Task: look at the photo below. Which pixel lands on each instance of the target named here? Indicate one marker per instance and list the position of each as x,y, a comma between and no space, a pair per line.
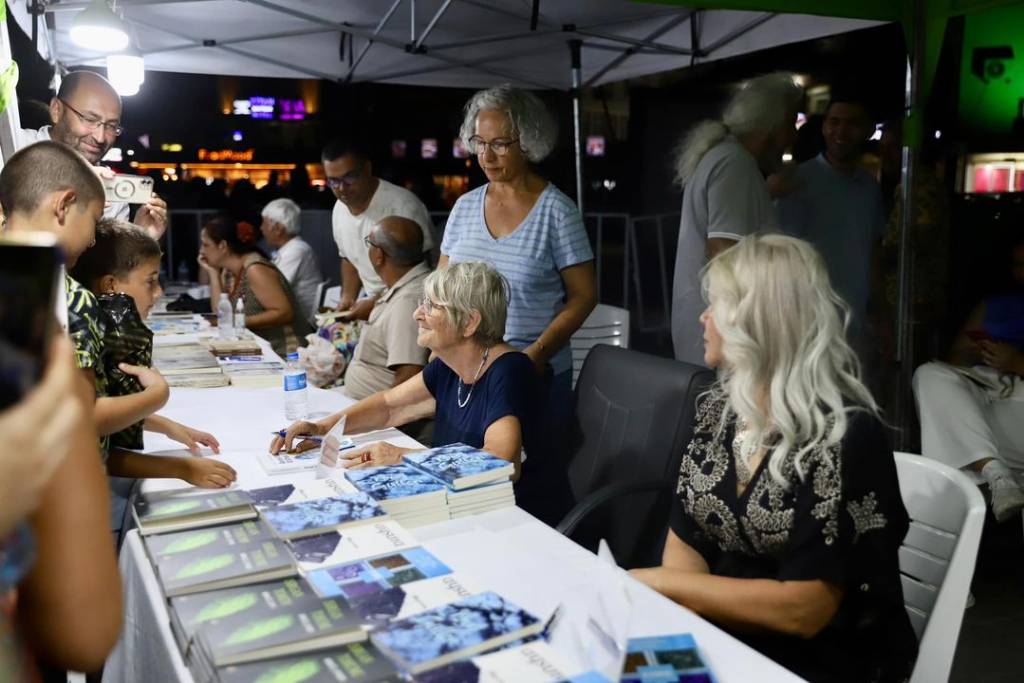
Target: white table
507,550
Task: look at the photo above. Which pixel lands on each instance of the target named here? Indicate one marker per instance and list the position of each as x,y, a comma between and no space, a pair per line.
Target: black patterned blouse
842,522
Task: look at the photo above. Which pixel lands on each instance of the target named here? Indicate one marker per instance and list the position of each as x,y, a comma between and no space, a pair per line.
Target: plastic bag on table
323,363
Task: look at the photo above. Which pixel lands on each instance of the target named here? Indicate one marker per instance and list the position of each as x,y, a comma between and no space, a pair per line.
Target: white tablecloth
508,551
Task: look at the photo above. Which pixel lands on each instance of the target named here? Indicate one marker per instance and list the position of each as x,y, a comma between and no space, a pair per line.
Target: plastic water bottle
296,397
224,326
239,317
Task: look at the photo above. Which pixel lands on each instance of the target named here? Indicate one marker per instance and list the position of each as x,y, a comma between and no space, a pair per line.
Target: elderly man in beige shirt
387,353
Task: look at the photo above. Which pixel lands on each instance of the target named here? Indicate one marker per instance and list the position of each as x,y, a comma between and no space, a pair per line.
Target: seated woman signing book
789,516
480,391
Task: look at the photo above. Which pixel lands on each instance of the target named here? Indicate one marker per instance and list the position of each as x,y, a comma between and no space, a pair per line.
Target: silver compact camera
133,189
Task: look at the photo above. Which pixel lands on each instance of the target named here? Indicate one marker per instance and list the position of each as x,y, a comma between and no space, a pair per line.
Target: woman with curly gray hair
530,232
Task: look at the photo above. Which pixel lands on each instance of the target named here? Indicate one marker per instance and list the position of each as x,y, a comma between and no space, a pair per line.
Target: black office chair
634,417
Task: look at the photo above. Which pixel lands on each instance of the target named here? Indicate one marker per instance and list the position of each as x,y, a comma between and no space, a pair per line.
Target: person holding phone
85,115
972,407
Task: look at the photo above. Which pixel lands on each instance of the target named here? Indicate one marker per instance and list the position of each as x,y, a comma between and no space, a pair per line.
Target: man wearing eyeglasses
363,202
387,353
86,116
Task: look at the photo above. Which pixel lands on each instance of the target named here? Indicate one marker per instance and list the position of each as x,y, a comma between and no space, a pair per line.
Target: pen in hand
309,437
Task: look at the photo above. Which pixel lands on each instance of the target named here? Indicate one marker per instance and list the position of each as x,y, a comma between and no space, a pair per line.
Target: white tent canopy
454,43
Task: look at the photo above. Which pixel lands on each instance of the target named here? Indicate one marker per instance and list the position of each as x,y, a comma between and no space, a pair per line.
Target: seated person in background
789,516
479,390
126,260
294,257
53,505
972,409
387,353
271,310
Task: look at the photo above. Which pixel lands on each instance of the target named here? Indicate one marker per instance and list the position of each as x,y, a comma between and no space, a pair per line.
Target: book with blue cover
278,625
188,612
355,663
461,629
664,659
350,545
357,580
286,494
532,662
317,516
248,533
167,511
460,466
399,488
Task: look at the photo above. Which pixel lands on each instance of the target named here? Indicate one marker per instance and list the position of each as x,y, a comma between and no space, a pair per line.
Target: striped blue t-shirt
550,239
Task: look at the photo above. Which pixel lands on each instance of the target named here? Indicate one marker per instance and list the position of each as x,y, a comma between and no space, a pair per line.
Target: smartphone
133,189
30,279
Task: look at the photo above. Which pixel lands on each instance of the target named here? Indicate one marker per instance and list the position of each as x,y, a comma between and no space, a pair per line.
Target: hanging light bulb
126,71
98,28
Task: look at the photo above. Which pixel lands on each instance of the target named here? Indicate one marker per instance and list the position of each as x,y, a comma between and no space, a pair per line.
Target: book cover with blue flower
461,466
319,515
664,659
395,482
461,629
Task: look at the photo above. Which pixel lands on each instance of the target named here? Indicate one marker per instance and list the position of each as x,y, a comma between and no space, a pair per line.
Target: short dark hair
242,236
342,146
120,248
848,96
42,169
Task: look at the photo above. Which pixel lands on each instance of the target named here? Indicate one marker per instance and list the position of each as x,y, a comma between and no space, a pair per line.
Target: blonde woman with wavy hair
789,516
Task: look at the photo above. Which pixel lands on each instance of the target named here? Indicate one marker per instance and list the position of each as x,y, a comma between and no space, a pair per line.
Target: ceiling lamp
126,71
98,28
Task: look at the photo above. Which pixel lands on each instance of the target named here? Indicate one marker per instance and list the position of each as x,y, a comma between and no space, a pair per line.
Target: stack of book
166,511
355,663
393,586
246,346
321,515
188,365
167,323
476,481
218,557
280,623
253,374
410,496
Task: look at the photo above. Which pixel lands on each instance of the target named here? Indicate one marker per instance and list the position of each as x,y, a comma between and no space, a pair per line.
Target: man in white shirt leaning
86,116
294,257
363,201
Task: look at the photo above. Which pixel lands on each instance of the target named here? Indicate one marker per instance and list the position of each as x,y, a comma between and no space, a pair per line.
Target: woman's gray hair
759,105
286,212
461,288
529,119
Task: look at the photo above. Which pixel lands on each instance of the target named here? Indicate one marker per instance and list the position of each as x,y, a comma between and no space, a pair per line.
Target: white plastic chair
947,513
605,325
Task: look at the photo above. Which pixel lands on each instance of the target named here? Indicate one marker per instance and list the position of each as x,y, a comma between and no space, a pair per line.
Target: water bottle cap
292,356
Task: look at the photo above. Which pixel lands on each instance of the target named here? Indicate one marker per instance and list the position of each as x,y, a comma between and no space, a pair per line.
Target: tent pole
575,48
912,133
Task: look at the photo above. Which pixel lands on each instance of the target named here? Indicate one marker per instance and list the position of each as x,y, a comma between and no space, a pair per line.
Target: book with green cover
355,663
212,567
165,511
247,533
279,626
188,612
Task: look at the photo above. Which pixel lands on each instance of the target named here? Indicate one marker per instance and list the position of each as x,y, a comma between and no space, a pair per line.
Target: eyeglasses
499,147
92,122
370,243
429,307
347,180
